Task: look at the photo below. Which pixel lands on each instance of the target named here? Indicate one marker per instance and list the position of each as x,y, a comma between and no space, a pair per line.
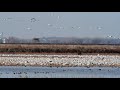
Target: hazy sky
60,24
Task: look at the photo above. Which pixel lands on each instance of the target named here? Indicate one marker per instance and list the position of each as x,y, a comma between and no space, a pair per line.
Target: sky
60,24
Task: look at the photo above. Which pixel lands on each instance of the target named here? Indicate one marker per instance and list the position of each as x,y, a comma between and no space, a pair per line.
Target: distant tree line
17,40
63,40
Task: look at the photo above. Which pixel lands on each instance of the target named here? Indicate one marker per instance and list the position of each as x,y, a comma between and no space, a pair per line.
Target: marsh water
58,72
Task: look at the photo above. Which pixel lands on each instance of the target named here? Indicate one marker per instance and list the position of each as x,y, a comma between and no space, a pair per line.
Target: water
58,72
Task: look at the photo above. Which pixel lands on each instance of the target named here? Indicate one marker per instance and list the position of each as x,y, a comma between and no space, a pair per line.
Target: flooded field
59,66
58,72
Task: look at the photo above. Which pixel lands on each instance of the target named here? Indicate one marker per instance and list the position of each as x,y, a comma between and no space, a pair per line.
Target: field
59,55
59,49
59,60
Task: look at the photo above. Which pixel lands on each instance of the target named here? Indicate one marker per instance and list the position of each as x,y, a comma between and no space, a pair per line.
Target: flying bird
29,28
109,36
58,17
50,25
52,14
33,19
99,28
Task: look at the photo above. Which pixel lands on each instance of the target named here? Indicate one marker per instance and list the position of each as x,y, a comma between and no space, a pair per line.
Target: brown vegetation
38,48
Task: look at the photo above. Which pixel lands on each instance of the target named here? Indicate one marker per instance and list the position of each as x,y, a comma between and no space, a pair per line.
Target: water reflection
58,72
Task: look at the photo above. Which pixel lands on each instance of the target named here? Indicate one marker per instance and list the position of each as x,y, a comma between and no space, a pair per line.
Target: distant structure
1,35
2,39
36,40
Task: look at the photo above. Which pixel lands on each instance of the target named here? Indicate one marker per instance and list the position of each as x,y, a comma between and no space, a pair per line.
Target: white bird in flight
29,28
50,25
99,28
52,14
58,17
109,36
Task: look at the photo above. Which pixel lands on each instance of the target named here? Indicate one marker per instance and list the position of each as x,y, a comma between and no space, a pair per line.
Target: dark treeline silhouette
63,40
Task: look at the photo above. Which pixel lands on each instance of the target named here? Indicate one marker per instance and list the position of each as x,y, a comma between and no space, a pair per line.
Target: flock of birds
50,25
32,20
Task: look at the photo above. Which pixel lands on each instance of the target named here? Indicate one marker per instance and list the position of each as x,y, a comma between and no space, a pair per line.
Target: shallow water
58,72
